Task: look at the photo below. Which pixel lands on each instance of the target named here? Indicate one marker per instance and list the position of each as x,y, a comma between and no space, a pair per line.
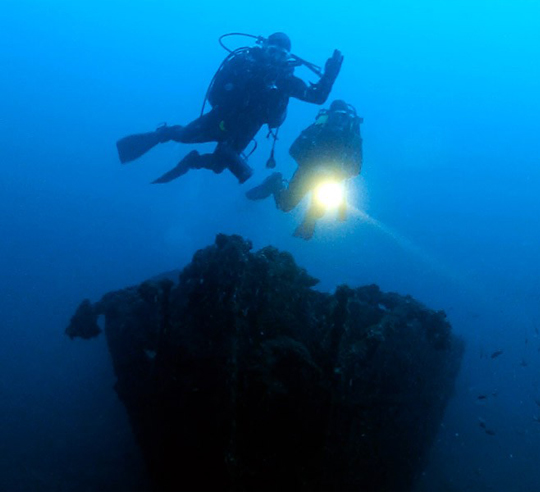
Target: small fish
490,432
496,354
537,401
524,363
482,423
482,397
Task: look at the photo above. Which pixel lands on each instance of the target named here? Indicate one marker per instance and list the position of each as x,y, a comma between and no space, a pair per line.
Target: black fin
187,163
134,146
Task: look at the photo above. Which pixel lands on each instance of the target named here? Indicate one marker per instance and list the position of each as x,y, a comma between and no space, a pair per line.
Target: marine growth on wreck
238,375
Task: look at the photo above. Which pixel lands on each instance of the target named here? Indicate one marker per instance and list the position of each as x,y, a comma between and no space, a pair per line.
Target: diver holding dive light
328,152
251,88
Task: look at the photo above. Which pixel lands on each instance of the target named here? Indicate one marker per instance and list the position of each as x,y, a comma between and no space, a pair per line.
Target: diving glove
333,65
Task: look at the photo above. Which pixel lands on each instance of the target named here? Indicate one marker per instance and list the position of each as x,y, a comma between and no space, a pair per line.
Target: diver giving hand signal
333,65
251,88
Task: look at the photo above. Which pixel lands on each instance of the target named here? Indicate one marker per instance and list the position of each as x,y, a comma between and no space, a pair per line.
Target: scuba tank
227,87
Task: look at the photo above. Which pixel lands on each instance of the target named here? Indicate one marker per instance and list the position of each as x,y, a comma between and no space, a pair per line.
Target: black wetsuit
252,92
322,149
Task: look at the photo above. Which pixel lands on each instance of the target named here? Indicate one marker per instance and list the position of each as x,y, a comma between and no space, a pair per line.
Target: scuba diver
328,152
251,88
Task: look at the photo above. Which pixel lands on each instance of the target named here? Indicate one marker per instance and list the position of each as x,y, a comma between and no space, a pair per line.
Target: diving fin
306,229
187,163
270,186
134,146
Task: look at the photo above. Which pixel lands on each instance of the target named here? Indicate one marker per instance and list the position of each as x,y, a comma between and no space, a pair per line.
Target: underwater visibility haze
446,207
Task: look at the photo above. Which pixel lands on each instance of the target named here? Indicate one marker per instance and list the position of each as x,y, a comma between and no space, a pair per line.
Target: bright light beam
408,246
330,194
471,287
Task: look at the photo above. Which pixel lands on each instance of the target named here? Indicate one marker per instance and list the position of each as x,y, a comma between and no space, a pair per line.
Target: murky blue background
449,94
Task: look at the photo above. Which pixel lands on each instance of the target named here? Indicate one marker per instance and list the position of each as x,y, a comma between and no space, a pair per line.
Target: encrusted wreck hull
240,376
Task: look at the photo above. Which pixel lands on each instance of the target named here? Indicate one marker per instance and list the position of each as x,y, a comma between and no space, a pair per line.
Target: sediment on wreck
238,375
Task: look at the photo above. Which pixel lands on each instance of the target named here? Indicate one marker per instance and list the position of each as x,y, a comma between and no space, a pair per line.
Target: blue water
448,199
